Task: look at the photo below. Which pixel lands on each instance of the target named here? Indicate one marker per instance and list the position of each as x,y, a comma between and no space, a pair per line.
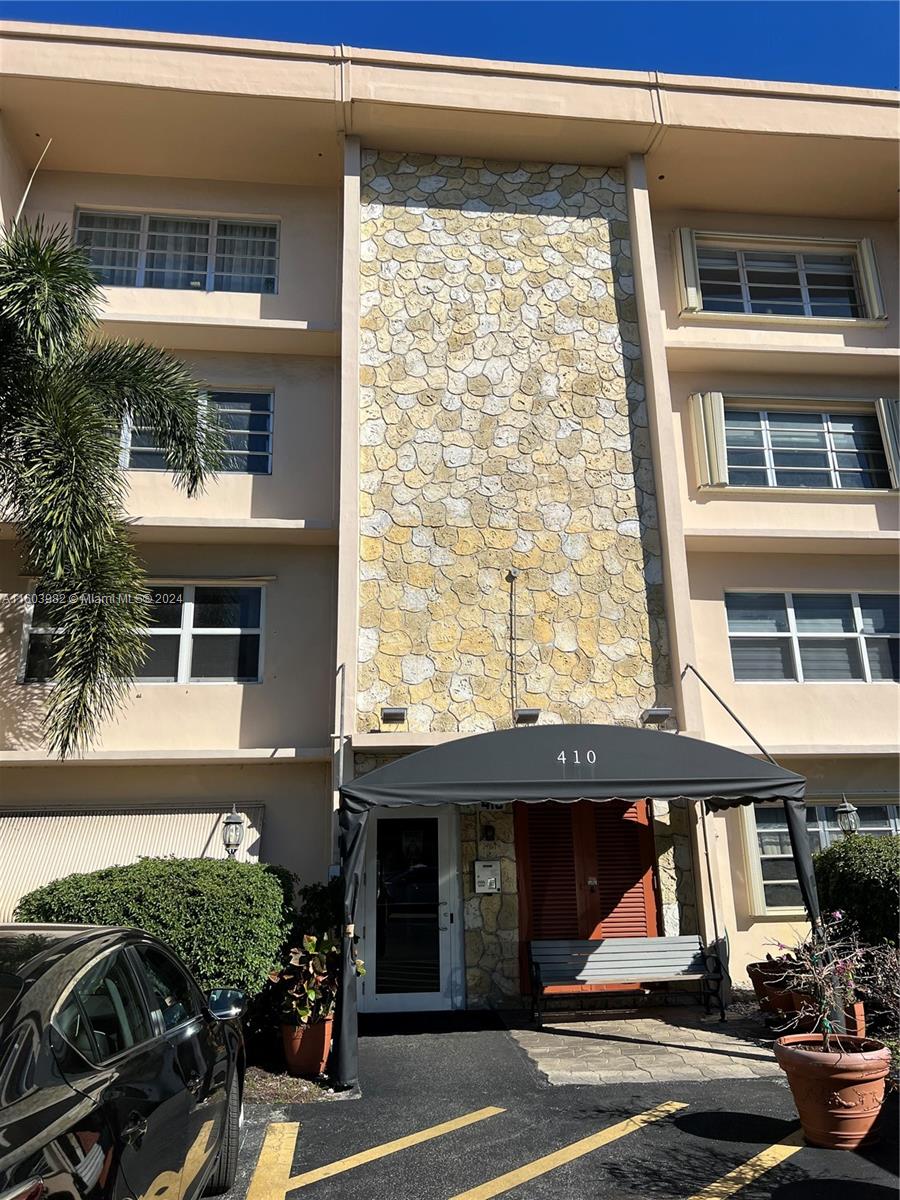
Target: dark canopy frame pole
565,764
796,816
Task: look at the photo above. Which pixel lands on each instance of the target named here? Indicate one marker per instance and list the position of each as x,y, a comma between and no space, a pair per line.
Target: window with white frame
810,637
200,253
40,646
755,275
777,884
802,449
197,633
246,421
839,445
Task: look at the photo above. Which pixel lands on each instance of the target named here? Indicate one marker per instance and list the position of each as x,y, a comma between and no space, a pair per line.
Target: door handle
194,1083
592,884
135,1129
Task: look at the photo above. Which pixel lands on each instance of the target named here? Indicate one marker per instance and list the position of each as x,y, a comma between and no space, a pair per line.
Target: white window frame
128,425
753,856
690,293
185,632
707,427
794,637
833,469
212,223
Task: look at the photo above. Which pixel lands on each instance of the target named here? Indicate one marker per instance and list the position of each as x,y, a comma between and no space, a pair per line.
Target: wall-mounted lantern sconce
847,817
232,832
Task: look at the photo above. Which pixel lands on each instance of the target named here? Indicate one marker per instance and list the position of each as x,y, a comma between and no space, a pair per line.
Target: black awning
561,763
573,762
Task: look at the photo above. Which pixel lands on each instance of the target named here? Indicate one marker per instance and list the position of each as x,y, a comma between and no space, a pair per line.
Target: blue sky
835,42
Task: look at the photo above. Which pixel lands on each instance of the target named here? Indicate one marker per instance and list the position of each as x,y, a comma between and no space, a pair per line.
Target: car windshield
17,949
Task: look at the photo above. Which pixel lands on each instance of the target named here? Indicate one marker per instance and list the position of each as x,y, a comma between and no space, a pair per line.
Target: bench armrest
537,982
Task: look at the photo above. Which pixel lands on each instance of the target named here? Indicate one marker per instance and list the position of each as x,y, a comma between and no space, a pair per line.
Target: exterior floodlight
847,817
526,716
655,716
232,832
393,716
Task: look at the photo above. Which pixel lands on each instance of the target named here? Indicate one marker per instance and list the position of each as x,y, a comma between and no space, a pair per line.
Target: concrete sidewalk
674,1044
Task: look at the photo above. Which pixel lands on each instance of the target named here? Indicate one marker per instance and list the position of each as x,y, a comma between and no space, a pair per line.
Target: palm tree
65,391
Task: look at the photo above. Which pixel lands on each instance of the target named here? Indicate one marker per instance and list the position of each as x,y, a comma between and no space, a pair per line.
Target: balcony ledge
222,530
234,530
160,758
793,541
696,354
225,333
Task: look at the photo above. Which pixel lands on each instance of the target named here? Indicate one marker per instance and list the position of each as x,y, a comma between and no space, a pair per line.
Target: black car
119,1080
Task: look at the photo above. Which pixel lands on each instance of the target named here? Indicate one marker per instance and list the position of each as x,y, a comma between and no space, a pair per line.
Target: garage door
38,847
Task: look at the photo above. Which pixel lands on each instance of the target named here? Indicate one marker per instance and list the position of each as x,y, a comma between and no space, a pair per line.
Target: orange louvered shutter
625,905
552,876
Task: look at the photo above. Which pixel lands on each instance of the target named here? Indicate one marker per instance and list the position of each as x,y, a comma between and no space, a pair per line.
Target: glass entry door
411,922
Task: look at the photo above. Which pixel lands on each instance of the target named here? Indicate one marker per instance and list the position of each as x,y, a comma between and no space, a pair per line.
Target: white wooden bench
568,968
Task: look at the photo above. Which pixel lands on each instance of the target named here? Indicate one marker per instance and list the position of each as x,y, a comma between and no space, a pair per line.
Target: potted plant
837,1078
306,990
770,983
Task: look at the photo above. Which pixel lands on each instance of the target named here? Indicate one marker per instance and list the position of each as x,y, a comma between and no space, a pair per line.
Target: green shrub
227,920
320,909
858,876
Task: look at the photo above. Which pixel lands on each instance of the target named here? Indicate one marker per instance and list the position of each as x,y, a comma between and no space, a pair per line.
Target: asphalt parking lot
463,1115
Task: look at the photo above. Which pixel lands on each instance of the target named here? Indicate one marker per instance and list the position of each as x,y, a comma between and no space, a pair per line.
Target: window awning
561,763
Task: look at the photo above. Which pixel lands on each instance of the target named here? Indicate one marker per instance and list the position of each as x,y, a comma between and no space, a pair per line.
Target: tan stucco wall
825,715
296,829
291,707
713,328
502,424
752,934
13,176
746,510
303,480
307,282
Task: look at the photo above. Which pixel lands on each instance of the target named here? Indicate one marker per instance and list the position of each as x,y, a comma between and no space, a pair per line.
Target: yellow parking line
740,1177
540,1166
276,1157
272,1178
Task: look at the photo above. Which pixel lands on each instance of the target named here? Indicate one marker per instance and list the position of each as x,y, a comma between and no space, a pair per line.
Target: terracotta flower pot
855,1018
838,1094
768,979
306,1048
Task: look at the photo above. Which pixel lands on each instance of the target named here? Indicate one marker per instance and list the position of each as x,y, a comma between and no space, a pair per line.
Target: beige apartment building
631,336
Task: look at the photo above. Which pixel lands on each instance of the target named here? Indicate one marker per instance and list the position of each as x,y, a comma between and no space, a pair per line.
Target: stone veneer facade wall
503,423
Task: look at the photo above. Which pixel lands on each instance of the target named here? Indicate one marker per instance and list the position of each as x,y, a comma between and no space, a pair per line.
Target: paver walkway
655,1045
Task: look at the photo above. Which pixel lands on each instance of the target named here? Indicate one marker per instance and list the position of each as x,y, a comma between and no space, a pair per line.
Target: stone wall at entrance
503,424
491,922
675,867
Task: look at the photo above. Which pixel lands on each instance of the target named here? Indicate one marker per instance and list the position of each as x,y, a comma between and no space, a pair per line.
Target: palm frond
98,645
64,393
152,388
66,491
49,298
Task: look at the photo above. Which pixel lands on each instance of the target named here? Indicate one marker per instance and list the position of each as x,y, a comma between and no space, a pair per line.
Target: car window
171,988
110,1005
72,1023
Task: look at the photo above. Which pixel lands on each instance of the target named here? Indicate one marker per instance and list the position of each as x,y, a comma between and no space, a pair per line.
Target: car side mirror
226,1004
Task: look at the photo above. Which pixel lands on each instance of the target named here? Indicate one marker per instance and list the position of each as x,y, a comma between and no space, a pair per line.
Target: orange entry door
585,870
